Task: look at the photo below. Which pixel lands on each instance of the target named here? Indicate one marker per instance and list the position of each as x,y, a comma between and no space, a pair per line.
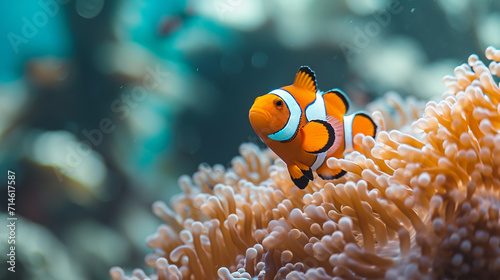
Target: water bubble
89,8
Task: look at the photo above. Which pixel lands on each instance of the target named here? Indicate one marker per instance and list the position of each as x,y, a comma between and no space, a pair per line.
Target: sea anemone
419,203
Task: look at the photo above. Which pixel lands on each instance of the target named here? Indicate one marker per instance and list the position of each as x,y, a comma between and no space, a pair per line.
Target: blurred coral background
104,104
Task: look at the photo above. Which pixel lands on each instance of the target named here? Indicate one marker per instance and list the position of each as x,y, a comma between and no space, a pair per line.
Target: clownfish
305,126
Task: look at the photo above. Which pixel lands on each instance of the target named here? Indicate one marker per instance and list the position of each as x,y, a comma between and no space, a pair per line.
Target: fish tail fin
363,123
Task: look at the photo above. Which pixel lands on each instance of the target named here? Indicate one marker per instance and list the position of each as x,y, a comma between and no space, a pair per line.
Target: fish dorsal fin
337,99
305,79
319,136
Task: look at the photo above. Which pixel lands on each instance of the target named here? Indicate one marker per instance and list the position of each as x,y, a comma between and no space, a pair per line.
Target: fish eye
278,103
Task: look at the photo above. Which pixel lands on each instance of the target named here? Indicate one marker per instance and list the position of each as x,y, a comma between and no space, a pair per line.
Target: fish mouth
259,118
260,111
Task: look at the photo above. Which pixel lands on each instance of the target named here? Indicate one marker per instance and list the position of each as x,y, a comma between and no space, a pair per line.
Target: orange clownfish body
305,127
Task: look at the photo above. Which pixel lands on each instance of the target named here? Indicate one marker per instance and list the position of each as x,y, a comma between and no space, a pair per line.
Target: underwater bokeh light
105,104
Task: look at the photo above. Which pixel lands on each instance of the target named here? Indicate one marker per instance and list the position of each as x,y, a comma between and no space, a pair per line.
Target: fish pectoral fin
319,136
337,99
298,177
362,123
